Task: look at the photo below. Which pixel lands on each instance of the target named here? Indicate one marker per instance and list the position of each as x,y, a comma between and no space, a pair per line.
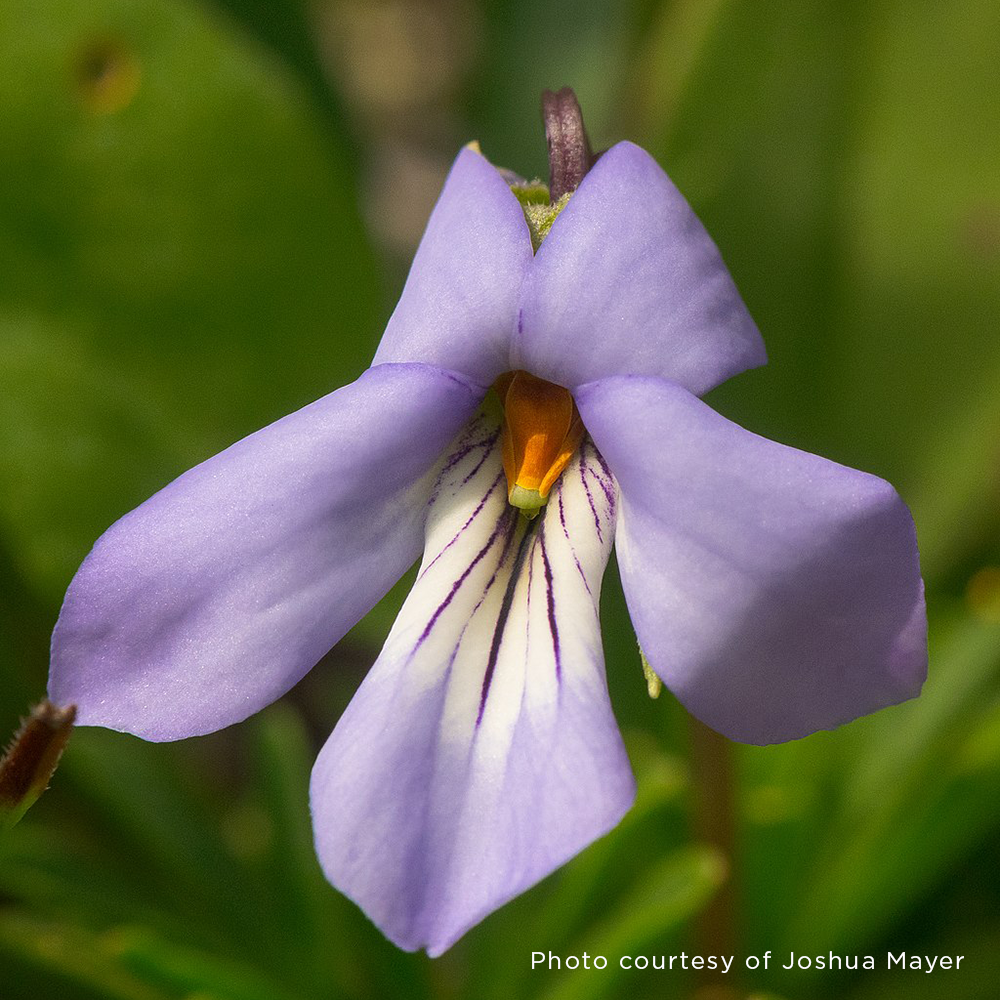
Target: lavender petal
216,595
775,592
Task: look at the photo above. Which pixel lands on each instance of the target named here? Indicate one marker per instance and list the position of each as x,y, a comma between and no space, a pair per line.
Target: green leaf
755,142
669,892
186,971
48,959
182,253
128,963
149,798
55,870
24,646
284,26
918,787
921,242
309,921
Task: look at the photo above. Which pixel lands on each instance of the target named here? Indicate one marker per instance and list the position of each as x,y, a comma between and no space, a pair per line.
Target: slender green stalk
713,821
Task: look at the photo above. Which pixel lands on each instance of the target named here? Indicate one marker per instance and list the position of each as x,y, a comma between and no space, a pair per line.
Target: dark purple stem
569,148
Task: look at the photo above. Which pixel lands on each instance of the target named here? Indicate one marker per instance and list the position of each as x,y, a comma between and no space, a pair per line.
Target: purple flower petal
459,306
775,592
216,595
629,282
481,751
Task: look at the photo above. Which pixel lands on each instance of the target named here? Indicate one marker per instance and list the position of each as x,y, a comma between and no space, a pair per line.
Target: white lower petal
481,752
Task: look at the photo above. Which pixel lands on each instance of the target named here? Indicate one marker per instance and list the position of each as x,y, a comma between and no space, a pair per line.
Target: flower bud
31,759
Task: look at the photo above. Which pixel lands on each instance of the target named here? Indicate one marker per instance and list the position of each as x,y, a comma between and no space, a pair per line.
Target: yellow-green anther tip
653,683
528,501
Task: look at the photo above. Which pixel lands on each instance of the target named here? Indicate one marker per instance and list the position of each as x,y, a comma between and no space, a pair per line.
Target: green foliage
182,259
177,270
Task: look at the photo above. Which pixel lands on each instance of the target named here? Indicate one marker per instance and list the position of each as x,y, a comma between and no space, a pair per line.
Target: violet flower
774,592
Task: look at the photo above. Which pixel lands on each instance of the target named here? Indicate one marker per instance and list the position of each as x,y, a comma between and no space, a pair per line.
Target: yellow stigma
541,431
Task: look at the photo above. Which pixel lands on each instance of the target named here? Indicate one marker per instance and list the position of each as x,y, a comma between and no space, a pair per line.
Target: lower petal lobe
481,751
216,595
775,592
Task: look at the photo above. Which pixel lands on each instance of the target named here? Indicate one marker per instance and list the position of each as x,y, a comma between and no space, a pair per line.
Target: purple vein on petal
600,459
507,546
569,541
455,458
506,521
504,553
584,468
463,448
527,599
551,602
489,444
472,517
508,599
605,482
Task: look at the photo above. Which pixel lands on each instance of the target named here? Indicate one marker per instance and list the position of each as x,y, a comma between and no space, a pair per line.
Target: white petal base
481,751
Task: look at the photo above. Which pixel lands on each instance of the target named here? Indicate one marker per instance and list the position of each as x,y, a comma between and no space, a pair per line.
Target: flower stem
714,823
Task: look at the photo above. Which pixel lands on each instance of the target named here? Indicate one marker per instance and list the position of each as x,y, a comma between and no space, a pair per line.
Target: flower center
541,431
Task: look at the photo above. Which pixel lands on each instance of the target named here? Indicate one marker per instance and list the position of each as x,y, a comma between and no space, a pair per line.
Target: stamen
653,683
541,432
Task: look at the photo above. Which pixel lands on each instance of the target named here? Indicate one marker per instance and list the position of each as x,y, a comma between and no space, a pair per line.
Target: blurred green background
206,213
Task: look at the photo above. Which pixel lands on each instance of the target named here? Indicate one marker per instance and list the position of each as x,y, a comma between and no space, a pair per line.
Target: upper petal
481,751
775,592
629,282
216,595
459,304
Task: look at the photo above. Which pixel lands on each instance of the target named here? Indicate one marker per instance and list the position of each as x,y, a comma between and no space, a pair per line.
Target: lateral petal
459,305
481,751
215,596
775,592
628,282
